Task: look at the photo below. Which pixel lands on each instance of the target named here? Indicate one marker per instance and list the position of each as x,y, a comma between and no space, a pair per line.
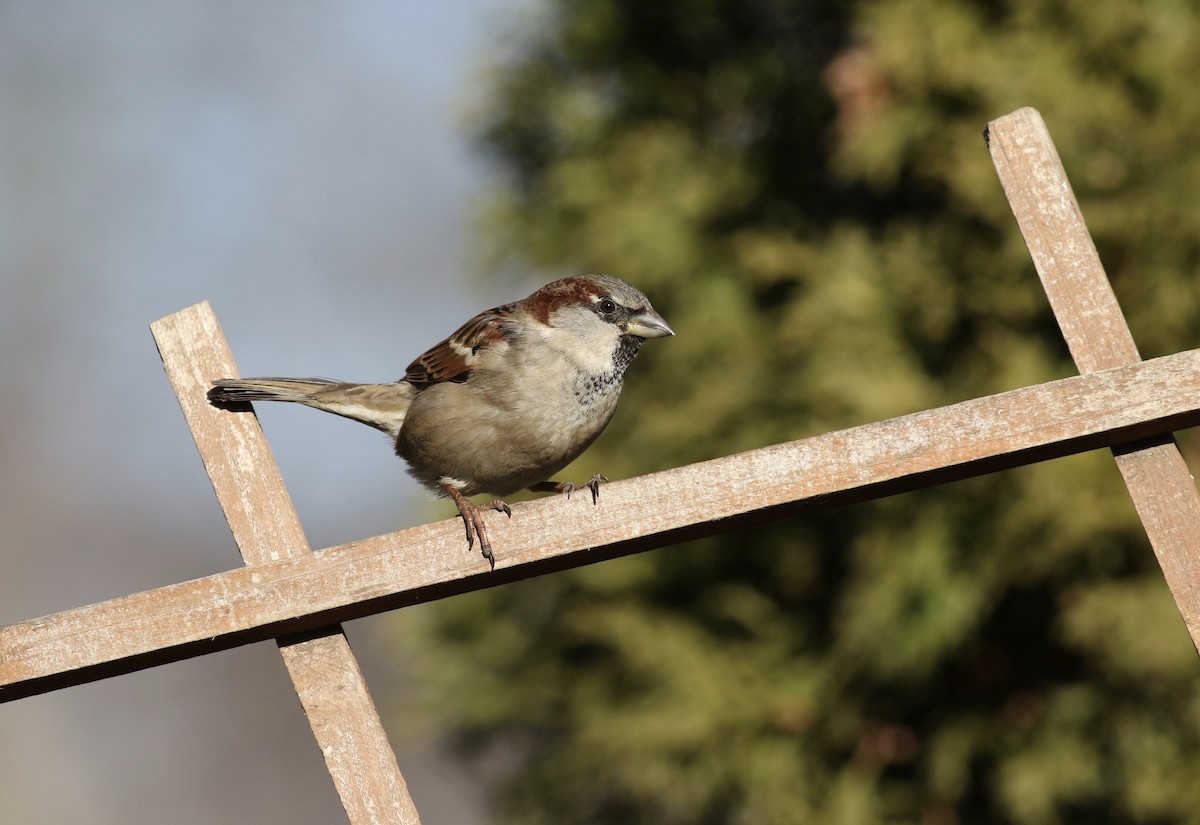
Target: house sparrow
512,397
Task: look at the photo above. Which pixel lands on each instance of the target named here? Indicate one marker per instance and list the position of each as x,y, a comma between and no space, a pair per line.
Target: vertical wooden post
251,492
1048,215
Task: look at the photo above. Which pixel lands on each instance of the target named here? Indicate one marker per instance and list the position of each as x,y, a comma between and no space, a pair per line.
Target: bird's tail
382,406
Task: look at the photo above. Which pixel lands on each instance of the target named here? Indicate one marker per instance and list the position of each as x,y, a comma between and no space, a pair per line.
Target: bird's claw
594,485
567,487
472,516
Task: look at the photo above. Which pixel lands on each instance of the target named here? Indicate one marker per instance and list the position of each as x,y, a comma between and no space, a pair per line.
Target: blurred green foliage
803,191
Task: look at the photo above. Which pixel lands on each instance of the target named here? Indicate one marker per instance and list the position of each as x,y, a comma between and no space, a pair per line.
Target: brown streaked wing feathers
451,360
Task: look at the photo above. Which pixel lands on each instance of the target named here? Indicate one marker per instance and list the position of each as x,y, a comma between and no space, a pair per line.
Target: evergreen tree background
802,189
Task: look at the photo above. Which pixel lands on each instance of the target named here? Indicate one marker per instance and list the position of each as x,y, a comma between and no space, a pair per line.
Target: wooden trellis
297,597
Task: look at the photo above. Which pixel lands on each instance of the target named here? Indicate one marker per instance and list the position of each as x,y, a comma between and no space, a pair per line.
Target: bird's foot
472,516
567,487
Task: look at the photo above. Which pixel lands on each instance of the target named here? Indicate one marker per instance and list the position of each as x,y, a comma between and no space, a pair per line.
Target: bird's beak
648,324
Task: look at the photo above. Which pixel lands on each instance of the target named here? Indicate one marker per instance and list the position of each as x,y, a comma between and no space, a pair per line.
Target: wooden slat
1065,257
294,593
252,494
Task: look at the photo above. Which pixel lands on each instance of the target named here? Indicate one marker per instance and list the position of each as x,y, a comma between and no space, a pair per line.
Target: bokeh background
802,189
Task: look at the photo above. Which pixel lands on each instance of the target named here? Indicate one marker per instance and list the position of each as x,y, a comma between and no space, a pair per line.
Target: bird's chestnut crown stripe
574,290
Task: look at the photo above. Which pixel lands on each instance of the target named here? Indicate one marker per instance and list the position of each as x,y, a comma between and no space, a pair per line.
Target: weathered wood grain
291,594
1159,482
265,527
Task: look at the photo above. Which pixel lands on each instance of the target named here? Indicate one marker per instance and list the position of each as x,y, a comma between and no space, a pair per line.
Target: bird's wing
454,358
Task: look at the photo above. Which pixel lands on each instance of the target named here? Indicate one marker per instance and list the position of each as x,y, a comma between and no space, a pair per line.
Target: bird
509,399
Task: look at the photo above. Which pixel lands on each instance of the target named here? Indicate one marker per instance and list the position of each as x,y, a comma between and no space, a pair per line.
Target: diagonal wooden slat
265,526
1091,321
290,594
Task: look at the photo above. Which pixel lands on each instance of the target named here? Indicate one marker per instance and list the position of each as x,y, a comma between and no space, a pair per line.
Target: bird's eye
607,306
